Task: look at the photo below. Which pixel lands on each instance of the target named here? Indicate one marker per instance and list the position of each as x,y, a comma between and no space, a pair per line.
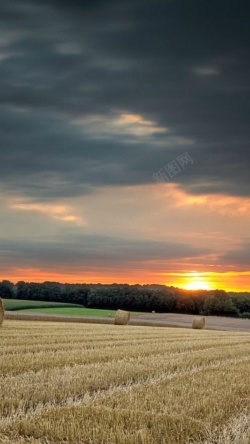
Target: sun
195,281
197,285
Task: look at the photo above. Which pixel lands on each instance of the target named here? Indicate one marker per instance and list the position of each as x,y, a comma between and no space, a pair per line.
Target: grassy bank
20,304
73,311
53,308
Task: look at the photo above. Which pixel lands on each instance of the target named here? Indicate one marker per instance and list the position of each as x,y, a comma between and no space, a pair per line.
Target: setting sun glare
197,285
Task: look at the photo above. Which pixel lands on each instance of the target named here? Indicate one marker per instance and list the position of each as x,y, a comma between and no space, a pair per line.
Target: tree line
143,298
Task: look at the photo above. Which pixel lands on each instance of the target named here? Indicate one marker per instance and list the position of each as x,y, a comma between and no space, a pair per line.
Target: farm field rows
105,384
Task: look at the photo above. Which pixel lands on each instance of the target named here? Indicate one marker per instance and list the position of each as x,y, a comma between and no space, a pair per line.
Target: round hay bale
198,323
122,317
1,312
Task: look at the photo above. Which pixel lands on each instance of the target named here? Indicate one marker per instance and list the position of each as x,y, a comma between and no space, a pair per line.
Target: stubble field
105,384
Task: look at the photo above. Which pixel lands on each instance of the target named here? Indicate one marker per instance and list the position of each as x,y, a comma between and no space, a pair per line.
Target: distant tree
7,289
137,297
229,308
212,306
22,290
241,301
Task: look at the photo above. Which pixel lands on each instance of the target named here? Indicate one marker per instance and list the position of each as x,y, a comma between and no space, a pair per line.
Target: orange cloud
58,212
221,203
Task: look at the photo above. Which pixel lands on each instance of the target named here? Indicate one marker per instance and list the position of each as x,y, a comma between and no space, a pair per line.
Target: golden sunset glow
228,281
195,281
197,285
208,280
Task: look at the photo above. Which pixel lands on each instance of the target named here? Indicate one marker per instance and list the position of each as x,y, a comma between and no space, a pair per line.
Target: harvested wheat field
109,384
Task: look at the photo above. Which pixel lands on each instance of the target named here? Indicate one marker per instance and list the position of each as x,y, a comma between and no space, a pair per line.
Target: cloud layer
97,96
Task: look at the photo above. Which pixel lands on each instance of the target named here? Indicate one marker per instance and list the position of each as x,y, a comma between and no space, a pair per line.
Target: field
21,304
73,311
105,384
53,308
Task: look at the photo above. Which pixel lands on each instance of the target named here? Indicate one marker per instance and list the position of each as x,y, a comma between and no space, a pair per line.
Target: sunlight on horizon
197,285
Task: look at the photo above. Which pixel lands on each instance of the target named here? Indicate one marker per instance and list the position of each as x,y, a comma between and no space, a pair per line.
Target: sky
124,142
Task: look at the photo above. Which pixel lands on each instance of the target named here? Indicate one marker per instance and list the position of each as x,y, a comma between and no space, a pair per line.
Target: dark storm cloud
238,257
183,65
93,250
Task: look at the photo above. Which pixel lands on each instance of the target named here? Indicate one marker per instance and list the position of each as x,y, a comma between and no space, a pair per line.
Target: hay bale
122,317
198,323
1,312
